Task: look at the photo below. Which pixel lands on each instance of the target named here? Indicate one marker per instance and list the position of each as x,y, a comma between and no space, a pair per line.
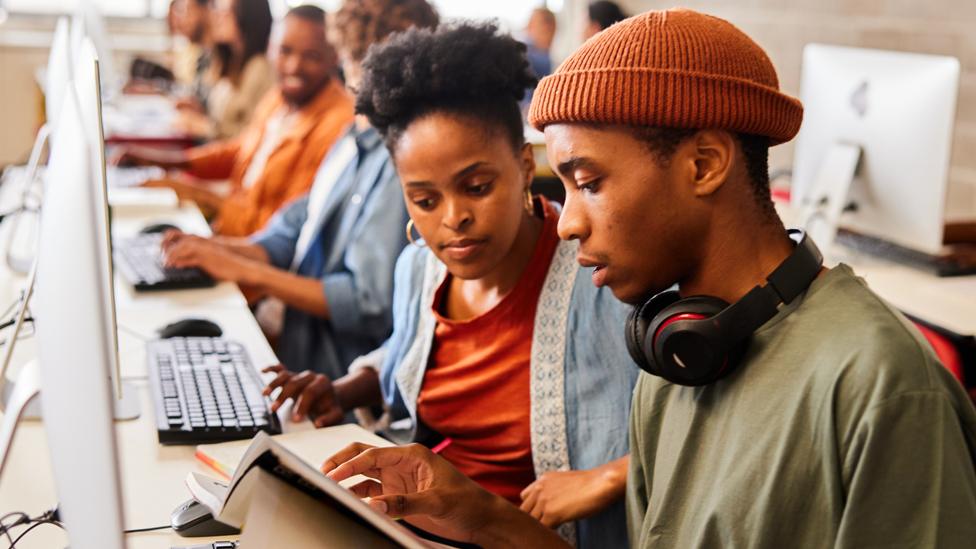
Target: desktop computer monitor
898,109
58,71
75,341
90,23
88,89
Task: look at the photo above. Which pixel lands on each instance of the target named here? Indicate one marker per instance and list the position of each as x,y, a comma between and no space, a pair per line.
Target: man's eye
590,186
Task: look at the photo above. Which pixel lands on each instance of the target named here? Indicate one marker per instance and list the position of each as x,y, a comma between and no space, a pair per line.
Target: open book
273,490
312,445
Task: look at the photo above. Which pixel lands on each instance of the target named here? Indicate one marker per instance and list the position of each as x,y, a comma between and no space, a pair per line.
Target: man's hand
413,481
563,496
312,392
134,155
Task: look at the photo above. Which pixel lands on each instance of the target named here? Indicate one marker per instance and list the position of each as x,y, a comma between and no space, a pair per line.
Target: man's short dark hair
308,12
663,142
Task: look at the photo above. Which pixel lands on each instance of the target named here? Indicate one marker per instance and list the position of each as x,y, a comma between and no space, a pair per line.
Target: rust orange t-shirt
476,387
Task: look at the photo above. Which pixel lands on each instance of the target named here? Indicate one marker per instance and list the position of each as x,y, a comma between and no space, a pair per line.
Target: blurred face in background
541,28
224,25
191,19
305,61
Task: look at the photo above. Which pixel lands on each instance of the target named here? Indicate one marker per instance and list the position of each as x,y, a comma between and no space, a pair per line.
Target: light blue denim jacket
353,251
581,375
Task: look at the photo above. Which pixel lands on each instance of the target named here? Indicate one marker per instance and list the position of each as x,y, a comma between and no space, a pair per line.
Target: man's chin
633,294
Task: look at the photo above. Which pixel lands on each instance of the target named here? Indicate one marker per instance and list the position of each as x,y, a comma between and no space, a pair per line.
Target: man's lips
599,275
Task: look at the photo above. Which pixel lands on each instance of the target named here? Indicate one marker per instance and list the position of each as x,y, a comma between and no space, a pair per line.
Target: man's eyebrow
567,167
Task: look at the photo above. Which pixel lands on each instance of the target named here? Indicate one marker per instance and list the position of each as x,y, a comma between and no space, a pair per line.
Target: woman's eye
478,189
424,203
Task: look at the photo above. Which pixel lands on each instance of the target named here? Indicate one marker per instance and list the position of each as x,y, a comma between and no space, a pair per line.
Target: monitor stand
828,198
21,398
126,407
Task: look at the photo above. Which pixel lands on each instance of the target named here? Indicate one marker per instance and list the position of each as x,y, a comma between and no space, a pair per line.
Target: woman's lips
461,250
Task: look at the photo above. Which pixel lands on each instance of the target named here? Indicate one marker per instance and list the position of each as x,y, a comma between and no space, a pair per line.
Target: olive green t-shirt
838,429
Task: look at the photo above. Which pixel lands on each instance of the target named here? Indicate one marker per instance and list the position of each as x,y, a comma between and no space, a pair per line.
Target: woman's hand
564,496
184,251
312,392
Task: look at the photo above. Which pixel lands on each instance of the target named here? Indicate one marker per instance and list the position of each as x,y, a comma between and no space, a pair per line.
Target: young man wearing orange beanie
789,406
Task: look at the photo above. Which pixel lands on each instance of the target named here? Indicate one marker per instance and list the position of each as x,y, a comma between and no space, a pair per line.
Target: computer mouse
192,519
158,228
191,327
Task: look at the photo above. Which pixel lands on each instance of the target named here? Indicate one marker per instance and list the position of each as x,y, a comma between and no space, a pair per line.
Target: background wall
783,27
24,45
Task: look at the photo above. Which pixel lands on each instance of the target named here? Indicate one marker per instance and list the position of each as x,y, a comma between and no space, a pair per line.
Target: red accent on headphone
676,318
686,316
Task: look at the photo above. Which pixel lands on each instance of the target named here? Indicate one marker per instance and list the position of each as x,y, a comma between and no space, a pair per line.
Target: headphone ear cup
682,354
637,328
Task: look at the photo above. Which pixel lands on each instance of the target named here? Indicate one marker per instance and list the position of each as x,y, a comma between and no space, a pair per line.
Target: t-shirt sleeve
908,473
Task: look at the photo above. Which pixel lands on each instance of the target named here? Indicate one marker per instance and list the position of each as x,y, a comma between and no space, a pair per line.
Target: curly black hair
466,69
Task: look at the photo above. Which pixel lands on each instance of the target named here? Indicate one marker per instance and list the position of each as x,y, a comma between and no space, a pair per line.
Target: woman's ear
527,161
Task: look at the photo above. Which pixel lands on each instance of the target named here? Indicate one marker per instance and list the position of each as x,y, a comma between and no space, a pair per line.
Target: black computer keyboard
939,266
140,260
205,389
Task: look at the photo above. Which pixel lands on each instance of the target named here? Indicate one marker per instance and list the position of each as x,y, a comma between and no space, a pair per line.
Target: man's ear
527,161
712,154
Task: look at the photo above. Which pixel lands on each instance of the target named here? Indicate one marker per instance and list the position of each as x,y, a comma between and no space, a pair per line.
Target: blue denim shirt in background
598,373
353,252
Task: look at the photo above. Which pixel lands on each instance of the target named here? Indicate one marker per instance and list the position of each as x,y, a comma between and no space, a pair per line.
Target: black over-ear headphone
700,339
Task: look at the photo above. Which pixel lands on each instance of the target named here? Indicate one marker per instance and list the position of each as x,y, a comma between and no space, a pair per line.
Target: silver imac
75,342
896,112
87,86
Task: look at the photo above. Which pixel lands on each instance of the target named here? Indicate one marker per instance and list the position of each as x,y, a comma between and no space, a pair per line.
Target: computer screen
58,71
73,319
87,86
899,109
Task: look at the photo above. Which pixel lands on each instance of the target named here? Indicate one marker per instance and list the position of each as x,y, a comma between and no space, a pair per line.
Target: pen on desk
441,445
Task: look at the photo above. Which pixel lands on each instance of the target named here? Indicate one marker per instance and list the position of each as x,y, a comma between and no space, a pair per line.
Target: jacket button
356,198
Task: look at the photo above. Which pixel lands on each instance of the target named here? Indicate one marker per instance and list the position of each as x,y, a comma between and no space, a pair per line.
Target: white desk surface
152,475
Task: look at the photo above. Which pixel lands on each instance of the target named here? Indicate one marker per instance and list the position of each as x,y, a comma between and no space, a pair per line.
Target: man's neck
737,256
295,106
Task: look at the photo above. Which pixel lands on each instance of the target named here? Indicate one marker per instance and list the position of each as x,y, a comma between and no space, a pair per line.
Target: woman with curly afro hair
503,355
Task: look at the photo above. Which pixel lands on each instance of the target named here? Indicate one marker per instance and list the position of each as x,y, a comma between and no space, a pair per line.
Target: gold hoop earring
410,234
529,204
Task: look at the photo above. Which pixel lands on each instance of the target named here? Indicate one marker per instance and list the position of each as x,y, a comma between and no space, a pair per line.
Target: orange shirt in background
476,387
289,170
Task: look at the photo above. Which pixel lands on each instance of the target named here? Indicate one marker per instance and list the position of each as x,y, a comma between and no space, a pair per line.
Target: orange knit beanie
670,69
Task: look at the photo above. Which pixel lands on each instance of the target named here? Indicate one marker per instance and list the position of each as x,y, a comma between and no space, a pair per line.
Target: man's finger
367,489
403,505
342,457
